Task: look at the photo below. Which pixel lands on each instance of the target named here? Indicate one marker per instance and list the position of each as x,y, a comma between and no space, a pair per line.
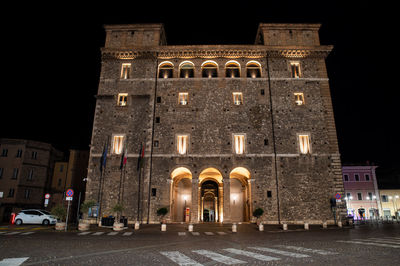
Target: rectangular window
61,168
346,177
11,193
370,196
237,98
34,155
27,193
1,172
385,198
118,141
125,71
366,177
359,196
304,142
269,194
4,153
15,173
182,144
295,67
122,99
19,153
30,174
356,177
153,192
183,98
348,195
238,141
299,98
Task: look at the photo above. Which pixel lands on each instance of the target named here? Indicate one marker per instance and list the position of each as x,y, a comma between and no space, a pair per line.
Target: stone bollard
82,226
137,225
324,225
261,227
234,228
118,226
306,226
190,228
284,227
163,227
339,224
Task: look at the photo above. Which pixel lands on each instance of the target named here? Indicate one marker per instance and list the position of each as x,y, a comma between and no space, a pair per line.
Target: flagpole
138,201
103,168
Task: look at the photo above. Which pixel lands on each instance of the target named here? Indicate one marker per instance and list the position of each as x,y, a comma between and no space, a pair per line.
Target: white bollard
339,224
163,227
234,228
306,226
261,227
325,225
284,227
137,225
190,228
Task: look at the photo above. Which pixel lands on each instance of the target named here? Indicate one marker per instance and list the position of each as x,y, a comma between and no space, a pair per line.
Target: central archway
240,192
211,195
181,193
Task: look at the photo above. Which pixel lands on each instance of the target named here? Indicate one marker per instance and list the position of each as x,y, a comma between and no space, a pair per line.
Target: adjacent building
213,132
26,168
390,200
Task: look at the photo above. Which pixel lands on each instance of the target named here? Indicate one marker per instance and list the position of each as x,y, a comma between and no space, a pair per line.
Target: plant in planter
118,208
85,206
258,213
61,213
162,212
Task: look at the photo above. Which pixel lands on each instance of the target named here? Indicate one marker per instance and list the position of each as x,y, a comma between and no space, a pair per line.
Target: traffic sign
338,196
70,192
69,198
47,196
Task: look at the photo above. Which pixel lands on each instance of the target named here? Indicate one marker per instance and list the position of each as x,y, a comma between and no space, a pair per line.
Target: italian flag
124,157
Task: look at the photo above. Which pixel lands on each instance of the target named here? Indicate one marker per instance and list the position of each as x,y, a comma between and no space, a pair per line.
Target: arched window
165,70
186,69
253,69
209,69
232,69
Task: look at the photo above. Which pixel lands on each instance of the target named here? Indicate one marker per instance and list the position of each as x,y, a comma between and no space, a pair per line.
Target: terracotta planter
118,226
83,226
60,226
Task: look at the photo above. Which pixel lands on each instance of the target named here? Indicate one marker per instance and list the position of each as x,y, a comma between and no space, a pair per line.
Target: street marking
316,251
27,233
218,257
195,233
209,233
396,238
251,254
127,233
221,233
179,258
13,261
181,233
3,232
112,233
368,244
281,252
84,233
380,240
12,233
98,233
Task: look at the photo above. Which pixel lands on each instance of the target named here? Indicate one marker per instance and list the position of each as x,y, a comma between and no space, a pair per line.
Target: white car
35,217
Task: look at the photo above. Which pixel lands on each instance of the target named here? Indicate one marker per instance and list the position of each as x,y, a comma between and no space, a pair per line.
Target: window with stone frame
295,68
126,71
232,69
122,99
209,69
299,98
239,143
165,70
183,98
237,98
304,143
186,69
359,195
182,142
117,144
253,69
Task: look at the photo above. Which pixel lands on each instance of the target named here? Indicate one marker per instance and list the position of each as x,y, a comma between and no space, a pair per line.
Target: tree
60,212
85,206
258,213
162,212
118,208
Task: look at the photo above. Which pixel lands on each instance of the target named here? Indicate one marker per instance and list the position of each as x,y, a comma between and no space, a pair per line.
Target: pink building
361,192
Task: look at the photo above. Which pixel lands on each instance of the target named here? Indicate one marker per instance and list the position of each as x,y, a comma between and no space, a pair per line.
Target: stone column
194,201
227,200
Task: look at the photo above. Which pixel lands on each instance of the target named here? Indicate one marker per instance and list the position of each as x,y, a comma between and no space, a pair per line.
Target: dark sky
53,63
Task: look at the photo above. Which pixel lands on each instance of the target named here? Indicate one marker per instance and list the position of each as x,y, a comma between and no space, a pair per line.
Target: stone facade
216,178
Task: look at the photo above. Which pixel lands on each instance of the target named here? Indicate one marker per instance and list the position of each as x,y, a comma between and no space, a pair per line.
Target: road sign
47,196
69,198
69,193
338,196
46,202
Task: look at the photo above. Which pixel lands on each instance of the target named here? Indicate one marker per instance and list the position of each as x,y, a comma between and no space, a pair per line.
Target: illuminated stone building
226,128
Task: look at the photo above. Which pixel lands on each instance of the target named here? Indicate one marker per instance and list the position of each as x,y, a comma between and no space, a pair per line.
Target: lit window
295,67
239,143
118,140
232,69
125,71
122,99
186,69
253,69
183,98
299,98
182,144
304,142
237,98
209,69
165,70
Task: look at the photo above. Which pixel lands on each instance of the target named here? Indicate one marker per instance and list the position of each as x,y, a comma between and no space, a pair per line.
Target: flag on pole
141,156
124,157
103,159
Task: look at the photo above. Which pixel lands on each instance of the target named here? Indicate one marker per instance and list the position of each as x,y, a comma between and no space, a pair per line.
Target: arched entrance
181,193
240,191
210,196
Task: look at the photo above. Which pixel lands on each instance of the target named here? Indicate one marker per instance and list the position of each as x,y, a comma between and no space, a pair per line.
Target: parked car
35,217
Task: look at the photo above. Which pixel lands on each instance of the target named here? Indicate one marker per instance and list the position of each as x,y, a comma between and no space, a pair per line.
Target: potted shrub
118,208
258,213
162,212
85,206
61,213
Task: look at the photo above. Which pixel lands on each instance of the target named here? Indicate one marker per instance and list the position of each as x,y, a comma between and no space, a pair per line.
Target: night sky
52,56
